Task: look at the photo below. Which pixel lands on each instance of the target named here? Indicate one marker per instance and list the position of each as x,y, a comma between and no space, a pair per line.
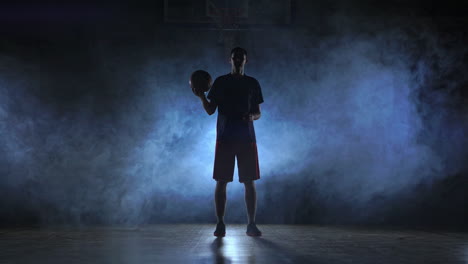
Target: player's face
238,59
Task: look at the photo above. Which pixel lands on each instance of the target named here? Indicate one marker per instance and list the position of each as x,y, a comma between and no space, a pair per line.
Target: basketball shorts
247,161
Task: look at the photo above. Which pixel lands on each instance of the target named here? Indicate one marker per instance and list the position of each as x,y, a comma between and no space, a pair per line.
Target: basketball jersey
235,97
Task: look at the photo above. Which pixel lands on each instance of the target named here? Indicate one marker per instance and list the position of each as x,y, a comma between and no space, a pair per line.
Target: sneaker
220,230
252,230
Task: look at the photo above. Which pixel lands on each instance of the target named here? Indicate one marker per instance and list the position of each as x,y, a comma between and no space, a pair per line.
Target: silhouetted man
238,98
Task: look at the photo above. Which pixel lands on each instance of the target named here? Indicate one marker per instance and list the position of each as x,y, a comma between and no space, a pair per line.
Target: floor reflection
217,249
235,250
232,250
195,244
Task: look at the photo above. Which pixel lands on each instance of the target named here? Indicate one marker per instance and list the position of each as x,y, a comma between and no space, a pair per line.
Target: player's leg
223,173
251,204
220,200
247,161
220,205
250,200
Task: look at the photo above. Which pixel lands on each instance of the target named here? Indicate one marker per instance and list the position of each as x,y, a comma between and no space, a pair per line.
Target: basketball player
238,98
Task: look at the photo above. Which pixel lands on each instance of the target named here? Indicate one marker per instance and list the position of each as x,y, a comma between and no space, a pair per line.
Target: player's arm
254,115
256,112
209,106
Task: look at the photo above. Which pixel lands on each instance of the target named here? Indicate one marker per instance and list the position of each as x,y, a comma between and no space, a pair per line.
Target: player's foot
220,230
252,230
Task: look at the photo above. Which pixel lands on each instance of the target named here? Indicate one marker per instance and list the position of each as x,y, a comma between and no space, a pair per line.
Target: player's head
238,57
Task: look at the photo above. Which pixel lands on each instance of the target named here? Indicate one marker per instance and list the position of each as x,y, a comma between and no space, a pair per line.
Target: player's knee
221,184
249,184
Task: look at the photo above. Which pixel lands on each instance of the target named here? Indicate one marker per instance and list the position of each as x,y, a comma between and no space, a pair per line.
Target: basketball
200,81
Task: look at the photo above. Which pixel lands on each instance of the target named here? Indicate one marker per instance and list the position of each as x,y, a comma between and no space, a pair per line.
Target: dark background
364,121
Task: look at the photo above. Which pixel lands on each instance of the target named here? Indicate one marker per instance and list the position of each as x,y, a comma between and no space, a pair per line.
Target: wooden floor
196,244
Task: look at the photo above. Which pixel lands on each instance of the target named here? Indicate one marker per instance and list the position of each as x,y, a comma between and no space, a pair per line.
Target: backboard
227,14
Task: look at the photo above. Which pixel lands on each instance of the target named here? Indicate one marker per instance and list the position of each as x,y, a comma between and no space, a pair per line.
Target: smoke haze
361,120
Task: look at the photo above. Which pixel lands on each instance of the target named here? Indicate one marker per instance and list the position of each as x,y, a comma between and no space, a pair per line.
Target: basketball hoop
226,18
227,15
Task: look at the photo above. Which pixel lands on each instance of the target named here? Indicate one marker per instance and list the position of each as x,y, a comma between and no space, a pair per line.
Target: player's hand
248,117
199,93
